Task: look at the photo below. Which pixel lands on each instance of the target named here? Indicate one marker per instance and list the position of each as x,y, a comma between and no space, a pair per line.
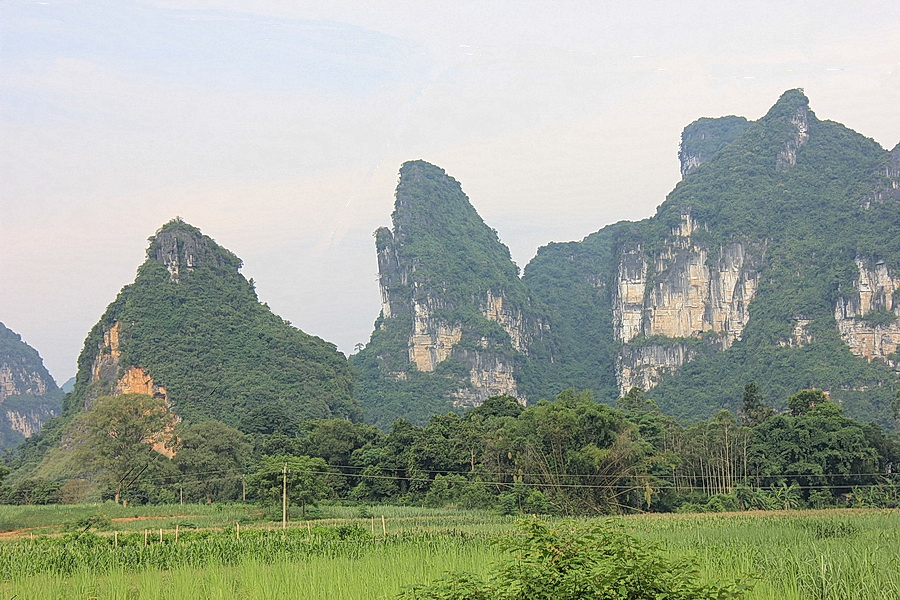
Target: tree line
568,456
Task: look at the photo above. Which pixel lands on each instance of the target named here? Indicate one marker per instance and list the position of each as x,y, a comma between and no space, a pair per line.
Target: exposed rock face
645,366
114,378
512,320
763,218
28,423
800,334
180,251
19,382
489,375
688,294
191,330
705,137
891,190
450,291
432,340
28,394
867,318
788,156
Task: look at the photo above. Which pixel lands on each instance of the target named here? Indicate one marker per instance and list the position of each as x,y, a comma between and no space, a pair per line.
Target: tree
634,401
803,401
753,411
496,406
305,480
211,456
583,455
122,435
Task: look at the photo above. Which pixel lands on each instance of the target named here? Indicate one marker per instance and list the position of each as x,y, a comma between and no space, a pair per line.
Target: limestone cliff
868,317
787,156
191,330
890,191
28,394
453,306
110,377
645,365
703,138
683,290
745,273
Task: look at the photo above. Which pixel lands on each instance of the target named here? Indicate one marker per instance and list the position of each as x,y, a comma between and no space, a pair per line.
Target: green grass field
835,554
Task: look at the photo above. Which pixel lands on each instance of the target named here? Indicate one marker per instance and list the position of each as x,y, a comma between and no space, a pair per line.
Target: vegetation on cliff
443,261
800,195
193,324
29,394
569,456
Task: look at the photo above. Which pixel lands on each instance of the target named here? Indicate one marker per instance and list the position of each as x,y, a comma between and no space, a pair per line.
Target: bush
578,562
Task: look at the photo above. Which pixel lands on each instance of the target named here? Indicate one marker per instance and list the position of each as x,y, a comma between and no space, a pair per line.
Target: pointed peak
8,334
791,117
178,225
419,165
796,95
181,247
427,194
789,104
705,137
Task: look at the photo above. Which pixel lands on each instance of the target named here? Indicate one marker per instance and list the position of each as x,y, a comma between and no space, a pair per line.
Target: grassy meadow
110,552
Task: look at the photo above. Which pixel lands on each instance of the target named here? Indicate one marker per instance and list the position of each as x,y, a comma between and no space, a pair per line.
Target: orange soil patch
126,519
22,532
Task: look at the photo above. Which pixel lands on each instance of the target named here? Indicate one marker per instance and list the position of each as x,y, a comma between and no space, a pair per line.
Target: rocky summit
776,260
190,329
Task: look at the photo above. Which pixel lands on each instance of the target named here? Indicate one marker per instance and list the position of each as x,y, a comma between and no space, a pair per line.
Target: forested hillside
28,394
456,318
191,331
774,260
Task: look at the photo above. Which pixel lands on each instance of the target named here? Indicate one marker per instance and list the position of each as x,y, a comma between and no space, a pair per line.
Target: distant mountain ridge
760,265
776,259
28,394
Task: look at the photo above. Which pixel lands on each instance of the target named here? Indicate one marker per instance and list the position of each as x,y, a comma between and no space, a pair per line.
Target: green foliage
816,448
116,437
753,411
458,258
705,137
879,318
571,280
22,358
25,368
441,256
740,195
573,561
804,401
205,337
305,477
210,457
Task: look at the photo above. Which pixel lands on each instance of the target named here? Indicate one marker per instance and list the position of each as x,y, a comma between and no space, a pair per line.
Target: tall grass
54,518
824,555
378,571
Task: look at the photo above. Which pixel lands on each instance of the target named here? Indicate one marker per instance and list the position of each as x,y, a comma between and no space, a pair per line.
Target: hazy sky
278,127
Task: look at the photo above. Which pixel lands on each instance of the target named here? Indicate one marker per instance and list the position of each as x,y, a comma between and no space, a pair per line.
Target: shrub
578,562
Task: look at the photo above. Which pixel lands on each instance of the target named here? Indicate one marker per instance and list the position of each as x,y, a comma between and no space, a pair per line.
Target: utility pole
284,497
